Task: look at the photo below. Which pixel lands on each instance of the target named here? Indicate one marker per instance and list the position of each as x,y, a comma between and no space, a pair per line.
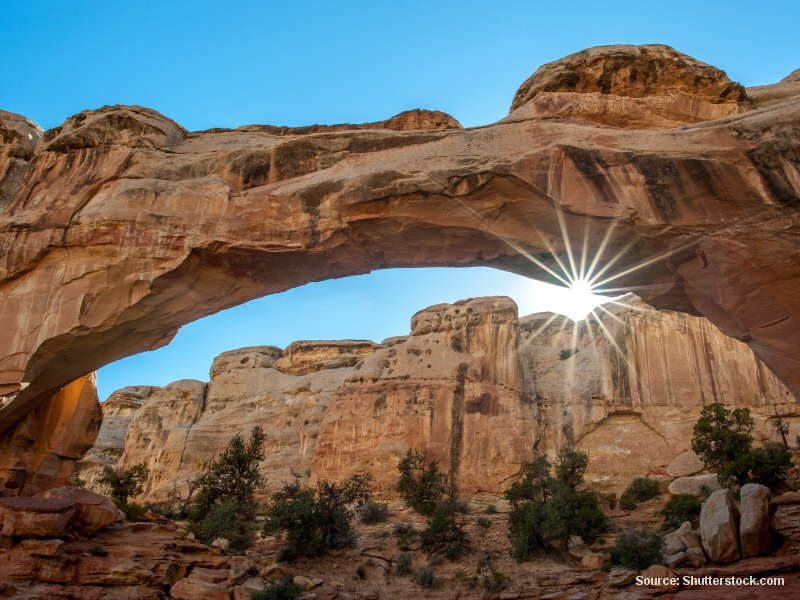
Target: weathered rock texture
756,538
119,226
472,386
719,527
41,451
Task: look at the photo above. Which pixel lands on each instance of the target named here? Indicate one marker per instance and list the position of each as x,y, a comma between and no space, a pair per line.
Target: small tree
547,509
421,484
638,549
639,490
233,477
314,521
722,438
122,485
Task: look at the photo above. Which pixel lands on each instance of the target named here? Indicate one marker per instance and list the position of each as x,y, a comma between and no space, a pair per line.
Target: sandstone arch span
120,226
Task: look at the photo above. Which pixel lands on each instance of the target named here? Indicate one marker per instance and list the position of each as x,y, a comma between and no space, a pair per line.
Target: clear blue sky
225,64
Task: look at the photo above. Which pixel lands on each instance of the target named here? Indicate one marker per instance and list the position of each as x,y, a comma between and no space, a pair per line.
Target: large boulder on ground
43,518
694,485
92,511
719,527
685,465
681,539
754,526
196,589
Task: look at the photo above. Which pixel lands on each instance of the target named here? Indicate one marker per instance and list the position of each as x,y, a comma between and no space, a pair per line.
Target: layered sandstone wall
472,386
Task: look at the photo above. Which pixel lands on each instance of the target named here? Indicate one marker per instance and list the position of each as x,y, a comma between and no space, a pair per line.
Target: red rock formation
41,451
119,226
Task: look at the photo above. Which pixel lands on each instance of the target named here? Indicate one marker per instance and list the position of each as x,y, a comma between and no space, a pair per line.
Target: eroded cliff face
119,226
472,386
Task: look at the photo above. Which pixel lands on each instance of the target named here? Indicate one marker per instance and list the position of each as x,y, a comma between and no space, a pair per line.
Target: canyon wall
119,226
471,385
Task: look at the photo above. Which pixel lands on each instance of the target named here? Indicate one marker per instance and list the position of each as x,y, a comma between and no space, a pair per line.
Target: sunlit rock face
119,226
472,386
40,452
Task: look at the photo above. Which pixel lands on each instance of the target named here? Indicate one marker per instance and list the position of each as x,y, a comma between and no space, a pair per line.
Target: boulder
696,557
246,590
209,575
93,511
304,583
674,560
673,542
719,527
221,543
43,518
754,526
594,560
694,485
196,589
240,566
577,548
685,465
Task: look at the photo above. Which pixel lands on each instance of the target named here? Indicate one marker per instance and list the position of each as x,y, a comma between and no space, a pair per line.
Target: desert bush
361,572
637,549
681,508
421,483
374,512
425,577
314,521
98,550
484,523
547,509
404,562
639,490
490,510
567,352
442,530
223,521
134,511
123,484
404,529
722,438
453,551
278,589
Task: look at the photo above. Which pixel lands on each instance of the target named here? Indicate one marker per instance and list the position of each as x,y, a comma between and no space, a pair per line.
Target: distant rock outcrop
472,386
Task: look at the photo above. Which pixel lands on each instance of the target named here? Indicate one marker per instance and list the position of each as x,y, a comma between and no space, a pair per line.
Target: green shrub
134,511
405,560
278,589
484,523
361,572
374,512
425,577
404,529
722,439
547,509
98,550
442,529
421,484
314,521
453,551
637,549
222,521
490,510
77,481
122,485
681,508
639,490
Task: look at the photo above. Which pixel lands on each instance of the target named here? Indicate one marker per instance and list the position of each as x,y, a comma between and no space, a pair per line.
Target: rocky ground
156,559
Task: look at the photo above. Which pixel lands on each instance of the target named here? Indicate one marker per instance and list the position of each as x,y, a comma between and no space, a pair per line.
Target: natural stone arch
119,226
